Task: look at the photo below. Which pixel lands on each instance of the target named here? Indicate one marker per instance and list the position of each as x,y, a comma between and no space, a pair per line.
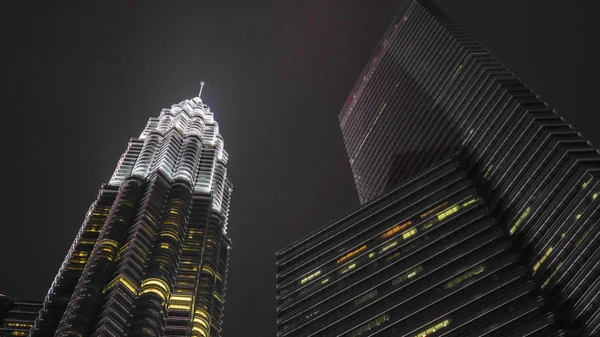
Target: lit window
441,216
395,229
348,268
470,202
409,274
409,233
156,286
434,328
389,245
351,254
486,175
552,275
539,263
310,277
585,184
513,229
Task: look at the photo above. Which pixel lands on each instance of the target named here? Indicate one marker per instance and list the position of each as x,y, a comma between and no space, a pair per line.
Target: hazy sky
84,77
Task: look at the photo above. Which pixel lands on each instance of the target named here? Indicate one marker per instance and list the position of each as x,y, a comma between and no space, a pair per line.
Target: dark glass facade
151,256
429,90
427,259
429,96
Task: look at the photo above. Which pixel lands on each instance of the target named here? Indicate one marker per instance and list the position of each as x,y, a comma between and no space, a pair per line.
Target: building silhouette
151,256
431,95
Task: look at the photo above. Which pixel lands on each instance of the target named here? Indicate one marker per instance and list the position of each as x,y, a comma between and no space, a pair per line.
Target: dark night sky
84,78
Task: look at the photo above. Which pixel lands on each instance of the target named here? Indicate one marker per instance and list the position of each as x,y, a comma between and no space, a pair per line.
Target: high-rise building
430,89
431,92
426,259
151,256
16,317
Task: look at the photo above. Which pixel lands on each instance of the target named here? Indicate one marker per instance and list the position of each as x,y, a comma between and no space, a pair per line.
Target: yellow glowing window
325,281
470,202
486,175
552,275
434,328
585,184
184,307
124,280
395,229
348,268
408,275
441,216
19,325
513,229
429,223
157,286
351,254
539,263
389,245
409,233
310,277
372,254
182,298
209,270
218,297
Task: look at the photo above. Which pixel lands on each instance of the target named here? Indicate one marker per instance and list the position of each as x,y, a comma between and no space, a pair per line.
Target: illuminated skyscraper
431,92
151,256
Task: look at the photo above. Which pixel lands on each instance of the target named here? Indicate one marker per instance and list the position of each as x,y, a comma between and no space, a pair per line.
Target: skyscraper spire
201,86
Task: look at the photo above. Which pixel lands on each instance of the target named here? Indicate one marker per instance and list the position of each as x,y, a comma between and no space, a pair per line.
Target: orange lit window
395,230
351,254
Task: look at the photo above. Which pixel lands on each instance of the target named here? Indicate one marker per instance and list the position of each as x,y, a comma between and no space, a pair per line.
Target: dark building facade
17,317
429,93
427,259
151,256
